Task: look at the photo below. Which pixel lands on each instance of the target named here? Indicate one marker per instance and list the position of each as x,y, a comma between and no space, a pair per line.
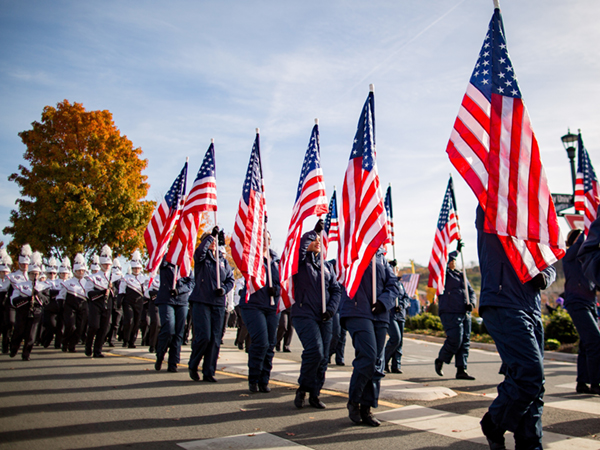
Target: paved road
60,400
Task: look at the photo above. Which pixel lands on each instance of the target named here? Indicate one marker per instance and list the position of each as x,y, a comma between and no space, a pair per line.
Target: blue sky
174,75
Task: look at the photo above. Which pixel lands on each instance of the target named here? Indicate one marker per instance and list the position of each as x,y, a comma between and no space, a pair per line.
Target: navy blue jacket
307,284
453,298
398,313
589,253
386,289
183,286
500,285
578,289
260,299
205,273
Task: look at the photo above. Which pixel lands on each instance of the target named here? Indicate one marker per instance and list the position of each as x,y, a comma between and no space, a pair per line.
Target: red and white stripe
439,253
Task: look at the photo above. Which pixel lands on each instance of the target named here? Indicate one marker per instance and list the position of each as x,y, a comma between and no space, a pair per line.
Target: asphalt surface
63,400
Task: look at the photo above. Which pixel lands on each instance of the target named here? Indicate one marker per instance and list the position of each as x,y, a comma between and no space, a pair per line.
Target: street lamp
569,141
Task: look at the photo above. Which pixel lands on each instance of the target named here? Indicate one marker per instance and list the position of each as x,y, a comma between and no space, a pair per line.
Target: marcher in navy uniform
455,314
154,318
313,326
5,263
75,311
367,322
512,315
117,309
208,306
28,299
100,295
259,313
132,289
393,348
172,302
582,307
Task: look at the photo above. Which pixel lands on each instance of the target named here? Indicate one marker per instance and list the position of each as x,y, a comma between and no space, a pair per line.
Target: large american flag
202,197
586,187
410,281
247,240
331,226
363,225
311,200
390,214
163,221
495,150
447,230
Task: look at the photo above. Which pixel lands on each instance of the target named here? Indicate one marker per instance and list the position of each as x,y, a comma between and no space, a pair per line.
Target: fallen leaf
257,429
242,409
311,417
291,434
456,431
177,418
251,435
244,395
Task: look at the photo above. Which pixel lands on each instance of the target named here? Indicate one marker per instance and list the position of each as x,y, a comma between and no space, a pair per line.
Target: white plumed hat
5,260
79,263
95,265
136,260
35,264
106,255
65,265
25,256
52,265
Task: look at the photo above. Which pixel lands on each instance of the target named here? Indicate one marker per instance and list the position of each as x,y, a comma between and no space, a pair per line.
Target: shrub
560,327
424,321
551,344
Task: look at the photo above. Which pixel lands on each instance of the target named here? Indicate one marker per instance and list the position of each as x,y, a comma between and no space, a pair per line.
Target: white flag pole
270,280
212,141
322,257
374,264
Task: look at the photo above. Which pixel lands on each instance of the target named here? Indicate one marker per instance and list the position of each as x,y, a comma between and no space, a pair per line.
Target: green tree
83,187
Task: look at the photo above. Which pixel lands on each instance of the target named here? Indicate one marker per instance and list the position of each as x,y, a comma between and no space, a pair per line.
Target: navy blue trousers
337,346
207,323
170,336
368,339
519,338
315,336
262,328
585,320
458,338
393,348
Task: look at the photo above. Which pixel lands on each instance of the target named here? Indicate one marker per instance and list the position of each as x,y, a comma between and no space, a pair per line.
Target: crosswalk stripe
467,428
256,441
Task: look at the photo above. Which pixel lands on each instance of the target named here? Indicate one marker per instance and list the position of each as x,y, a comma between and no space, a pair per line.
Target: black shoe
315,402
278,348
111,345
396,370
263,388
158,364
367,416
354,412
438,367
341,363
461,374
72,350
64,349
209,378
152,350
595,389
286,350
124,345
493,434
172,369
387,368
25,358
98,355
253,387
88,352
240,346
12,354
131,346
194,375
300,399
583,388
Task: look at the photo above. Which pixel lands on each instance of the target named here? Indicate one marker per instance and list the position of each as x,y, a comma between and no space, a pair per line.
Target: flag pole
322,257
212,141
374,281
392,221
265,231
462,259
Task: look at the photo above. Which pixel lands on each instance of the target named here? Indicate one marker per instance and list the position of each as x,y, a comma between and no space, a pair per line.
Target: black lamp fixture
569,141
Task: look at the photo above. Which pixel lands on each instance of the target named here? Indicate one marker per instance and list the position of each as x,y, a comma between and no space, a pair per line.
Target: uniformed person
153,315
28,299
132,290
208,306
52,310
73,293
455,314
393,347
312,324
16,277
367,322
100,296
5,264
117,309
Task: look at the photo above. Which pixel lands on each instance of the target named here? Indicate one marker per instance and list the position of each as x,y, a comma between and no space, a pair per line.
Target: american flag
363,225
331,226
247,240
410,281
495,150
390,214
311,200
447,231
163,221
586,187
202,197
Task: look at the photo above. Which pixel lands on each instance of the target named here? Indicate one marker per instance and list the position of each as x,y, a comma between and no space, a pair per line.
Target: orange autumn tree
83,186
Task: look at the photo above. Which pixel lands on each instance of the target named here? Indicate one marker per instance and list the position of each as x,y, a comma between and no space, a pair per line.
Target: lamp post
569,141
